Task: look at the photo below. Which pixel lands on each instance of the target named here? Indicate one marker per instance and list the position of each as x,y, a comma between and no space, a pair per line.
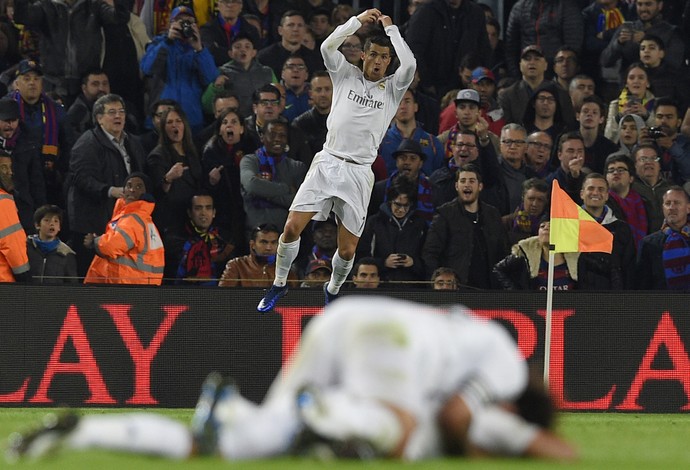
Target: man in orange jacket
14,263
131,250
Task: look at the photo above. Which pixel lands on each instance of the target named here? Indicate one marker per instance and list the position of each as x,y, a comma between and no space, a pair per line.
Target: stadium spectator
267,16
526,268
409,160
538,154
649,182
221,162
544,112
629,132
664,79
625,43
405,127
551,25
179,65
131,249
569,174
94,84
44,123
317,273
51,260
469,118
444,279
514,100
626,203
27,164
580,87
319,20
440,34
294,78
673,145
14,262
197,253
466,234
175,168
662,262
591,116
257,269
313,122
605,271
292,29
366,274
394,236
497,61
71,40
634,98
223,101
241,76
566,64
101,160
270,178
150,138
524,221
220,32
352,49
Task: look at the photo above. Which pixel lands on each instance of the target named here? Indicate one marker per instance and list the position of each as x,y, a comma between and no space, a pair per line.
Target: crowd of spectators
216,108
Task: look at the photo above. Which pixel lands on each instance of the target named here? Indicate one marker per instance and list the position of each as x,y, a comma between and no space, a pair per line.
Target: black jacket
450,239
96,165
47,268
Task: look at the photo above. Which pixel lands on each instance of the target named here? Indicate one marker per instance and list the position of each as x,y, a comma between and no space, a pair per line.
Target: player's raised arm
405,73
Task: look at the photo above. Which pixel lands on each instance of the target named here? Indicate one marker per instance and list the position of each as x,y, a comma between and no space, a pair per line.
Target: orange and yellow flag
573,229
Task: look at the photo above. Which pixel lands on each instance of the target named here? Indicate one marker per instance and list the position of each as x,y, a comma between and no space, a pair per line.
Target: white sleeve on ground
501,432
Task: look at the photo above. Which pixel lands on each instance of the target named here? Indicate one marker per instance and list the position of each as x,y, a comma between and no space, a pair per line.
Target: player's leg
288,248
343,259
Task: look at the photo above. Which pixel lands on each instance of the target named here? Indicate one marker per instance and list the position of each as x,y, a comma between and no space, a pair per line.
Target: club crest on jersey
382,86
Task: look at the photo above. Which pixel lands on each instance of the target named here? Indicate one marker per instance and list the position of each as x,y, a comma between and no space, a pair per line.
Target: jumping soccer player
340,178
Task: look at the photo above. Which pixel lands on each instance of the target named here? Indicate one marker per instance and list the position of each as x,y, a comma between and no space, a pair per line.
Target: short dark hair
289,13
368,261
535,183
92,71
470,168
678,188
567,48
267,227
162,102
402,185
444,270
666,101
620,158
594,176
47,209
274,122
199,193
320,74
240,37
646,145
379,40
654,38
573,135
268,88
598,101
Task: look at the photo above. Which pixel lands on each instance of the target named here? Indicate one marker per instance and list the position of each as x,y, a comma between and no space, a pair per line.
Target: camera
656,132
186,27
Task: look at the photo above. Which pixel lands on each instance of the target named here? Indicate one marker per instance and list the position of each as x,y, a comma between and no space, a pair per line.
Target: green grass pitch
606,441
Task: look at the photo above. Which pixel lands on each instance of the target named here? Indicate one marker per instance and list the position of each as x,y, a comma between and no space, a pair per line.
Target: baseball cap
318,264
181,10
28,65
409,146
533,49
9,109
468,95
480,73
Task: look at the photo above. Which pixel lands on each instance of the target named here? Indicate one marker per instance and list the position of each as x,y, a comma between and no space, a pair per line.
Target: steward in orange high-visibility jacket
131,250
13,258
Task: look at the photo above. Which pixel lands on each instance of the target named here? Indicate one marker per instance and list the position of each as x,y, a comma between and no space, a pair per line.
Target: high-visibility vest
13,258
131,249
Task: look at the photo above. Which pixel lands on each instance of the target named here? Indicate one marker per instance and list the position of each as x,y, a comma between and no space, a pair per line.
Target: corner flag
573,229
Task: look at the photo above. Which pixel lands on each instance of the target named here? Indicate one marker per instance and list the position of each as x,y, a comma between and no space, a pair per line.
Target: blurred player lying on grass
373,377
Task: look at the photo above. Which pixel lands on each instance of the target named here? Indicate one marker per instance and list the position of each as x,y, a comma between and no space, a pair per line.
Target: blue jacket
180,74
433,148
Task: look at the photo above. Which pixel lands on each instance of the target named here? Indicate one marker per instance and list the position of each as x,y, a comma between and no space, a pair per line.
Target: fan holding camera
179,65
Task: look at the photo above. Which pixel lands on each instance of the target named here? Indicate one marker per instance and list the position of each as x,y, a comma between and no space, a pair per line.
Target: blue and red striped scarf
525,223
48,119
231,30
635,213
676,258
267,164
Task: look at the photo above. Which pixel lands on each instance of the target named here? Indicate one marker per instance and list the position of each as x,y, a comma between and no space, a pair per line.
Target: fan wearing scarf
663,261
51,260
131,250
197,253
269,178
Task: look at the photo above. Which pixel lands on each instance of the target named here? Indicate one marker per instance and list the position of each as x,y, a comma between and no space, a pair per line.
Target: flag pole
547,327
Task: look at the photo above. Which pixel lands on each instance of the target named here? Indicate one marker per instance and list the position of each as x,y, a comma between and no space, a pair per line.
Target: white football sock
341,269
287,252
